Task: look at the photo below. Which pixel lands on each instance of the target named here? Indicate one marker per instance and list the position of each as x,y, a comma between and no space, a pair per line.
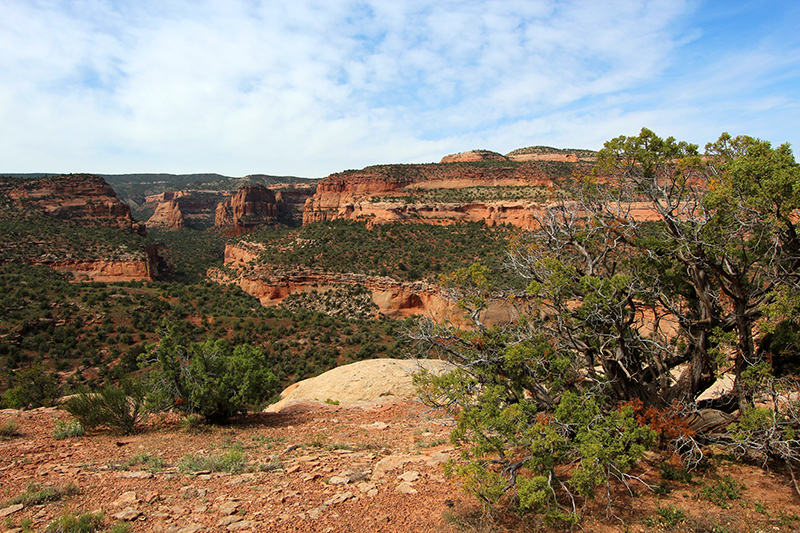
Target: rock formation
75,196
506,192
251,206
133,269
473,155
167,214
65,212
363,382
394,299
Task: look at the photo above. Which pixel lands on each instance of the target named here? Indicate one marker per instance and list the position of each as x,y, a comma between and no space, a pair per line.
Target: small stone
411,475
315,513
339,498
439,457
243,524
136,475
228,520
189,492
406,488
338,480
227,508
200,509
365,487
151,497
191,528
126,499
11,509
129,514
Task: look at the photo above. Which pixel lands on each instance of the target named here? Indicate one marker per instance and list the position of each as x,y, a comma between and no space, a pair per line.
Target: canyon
476,186
394,299
237,210
78,204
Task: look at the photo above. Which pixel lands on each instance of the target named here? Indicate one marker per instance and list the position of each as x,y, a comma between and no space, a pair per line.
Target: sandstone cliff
394,299
75,196
473,155
492,191
137,268
251,206
74,223
167,214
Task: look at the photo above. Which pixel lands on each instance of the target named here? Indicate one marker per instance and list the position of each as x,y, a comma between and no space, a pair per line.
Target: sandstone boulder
361,382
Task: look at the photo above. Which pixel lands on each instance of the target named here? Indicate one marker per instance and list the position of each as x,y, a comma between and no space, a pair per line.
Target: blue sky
311,87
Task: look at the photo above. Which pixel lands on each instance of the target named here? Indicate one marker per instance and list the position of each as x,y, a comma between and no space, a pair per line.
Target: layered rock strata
401,193
394,299
76,196
251,206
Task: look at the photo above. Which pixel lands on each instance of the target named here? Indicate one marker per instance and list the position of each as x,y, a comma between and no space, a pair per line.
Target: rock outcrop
251,206
75,196
133,269
363,382
168,214
58,218
393,299
473,155
505,192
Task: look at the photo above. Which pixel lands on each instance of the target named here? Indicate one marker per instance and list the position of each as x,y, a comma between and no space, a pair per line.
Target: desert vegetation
626,319
58,337
403,252
654,274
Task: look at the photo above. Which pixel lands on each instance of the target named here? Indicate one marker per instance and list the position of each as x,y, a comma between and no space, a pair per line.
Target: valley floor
325,469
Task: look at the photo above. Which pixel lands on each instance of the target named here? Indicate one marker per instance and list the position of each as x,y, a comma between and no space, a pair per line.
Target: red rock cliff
167,214
402,193
394,299
76,196
251,206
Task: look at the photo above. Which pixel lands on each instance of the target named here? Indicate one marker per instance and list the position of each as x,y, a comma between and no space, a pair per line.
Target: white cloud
311,87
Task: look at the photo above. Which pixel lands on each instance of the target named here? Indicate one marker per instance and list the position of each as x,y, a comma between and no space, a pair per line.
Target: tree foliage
657,273
215,378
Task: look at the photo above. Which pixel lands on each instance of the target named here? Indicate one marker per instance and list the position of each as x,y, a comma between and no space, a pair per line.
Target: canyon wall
504,191
79,204
76,197
113,270
251,206
394,299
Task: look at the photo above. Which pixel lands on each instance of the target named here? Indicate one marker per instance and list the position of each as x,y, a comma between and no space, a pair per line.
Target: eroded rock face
386,194
394,299
168,214
474,155
76,196
383,380
81,201
134,269
251,206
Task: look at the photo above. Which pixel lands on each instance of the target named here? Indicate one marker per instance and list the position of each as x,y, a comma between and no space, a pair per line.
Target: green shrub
724,491
36,494
8,428
68,428
70,523
234,461
214,379
33,387
150,462
118,408
669,517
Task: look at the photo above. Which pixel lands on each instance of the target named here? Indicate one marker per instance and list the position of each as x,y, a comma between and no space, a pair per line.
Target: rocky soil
325,468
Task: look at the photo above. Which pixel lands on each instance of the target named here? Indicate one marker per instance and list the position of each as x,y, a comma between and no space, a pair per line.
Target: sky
312,87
